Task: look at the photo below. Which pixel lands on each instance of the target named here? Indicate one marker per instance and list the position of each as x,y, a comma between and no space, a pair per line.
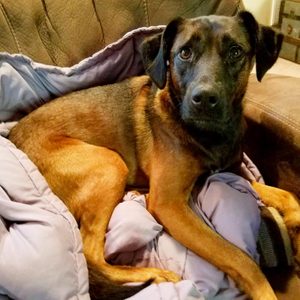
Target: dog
163,130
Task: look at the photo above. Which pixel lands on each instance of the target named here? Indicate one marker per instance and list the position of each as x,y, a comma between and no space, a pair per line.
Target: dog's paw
292,222
165,275
295,239
263,292
125,274
296,255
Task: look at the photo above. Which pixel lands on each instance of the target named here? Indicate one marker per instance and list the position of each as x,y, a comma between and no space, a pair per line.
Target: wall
265,11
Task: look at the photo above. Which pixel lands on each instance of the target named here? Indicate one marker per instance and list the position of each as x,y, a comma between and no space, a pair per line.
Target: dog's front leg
91,180
289,207
170,187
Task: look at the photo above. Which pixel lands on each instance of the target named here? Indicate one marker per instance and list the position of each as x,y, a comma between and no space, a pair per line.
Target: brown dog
166,129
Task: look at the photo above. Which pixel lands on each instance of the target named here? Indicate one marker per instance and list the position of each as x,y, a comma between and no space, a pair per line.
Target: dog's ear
156,53
150,50
265,41
268,48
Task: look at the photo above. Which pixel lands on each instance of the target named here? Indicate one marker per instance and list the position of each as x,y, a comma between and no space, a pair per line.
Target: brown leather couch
64,32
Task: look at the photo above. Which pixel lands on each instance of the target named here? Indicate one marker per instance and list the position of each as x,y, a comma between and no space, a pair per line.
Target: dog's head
205,63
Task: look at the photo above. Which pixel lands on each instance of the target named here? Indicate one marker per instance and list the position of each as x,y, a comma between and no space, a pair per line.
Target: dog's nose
205,99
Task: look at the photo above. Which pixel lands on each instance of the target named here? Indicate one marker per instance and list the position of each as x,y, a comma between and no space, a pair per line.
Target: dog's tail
104,289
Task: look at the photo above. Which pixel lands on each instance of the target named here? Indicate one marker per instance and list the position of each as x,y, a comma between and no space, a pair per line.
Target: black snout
206,99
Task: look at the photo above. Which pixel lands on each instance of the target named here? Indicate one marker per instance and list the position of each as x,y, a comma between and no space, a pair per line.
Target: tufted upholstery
64,32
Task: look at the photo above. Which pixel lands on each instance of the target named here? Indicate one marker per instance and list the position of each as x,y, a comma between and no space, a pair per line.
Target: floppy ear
265,41
268,48
156,53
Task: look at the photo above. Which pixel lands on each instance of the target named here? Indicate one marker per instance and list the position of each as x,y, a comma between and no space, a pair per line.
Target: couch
62,33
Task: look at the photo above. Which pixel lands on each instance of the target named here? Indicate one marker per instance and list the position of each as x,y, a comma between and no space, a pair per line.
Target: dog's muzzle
205,107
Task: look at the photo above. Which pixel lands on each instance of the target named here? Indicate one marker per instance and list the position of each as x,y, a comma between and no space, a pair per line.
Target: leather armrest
272,111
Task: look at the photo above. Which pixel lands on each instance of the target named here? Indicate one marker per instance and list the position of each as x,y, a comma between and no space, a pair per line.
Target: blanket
40,246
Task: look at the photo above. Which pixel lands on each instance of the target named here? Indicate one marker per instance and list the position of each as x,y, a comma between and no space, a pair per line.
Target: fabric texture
25,84
40,243
272,109
226,202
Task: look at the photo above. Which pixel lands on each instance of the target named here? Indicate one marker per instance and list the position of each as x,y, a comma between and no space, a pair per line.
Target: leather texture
64,32
273,136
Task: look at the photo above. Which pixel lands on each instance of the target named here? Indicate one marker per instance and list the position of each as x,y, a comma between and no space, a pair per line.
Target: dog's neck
222,149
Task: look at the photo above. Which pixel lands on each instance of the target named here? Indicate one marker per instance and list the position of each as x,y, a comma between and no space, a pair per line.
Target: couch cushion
273,114
64,32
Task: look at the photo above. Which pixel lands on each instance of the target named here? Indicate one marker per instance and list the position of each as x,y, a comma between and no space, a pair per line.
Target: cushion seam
146,13
277,116
11,28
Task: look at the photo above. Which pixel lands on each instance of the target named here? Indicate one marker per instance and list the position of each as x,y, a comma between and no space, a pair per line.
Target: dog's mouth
210,131
205,119
209,125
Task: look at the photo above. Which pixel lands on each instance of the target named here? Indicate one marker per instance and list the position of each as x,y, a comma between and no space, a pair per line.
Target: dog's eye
185,53
235,52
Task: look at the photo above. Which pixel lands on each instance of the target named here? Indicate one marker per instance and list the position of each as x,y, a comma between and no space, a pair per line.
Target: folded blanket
40,245
226,202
